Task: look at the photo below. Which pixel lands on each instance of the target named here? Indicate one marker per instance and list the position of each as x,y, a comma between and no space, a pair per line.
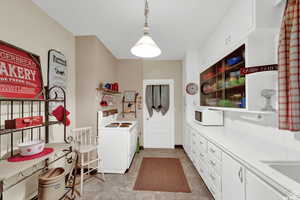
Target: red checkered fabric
289,68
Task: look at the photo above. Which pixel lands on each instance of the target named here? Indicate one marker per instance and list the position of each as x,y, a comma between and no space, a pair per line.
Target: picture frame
129,95
20,73
57,76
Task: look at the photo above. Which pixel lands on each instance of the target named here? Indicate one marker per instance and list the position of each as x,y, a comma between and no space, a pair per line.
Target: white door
259,190
233,187
159,130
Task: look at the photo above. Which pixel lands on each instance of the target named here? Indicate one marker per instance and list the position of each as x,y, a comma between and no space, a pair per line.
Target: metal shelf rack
9,138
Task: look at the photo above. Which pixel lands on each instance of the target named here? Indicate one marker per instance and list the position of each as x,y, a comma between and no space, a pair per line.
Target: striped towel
289,68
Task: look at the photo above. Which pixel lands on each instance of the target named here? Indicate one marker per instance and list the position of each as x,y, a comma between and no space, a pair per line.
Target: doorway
159,113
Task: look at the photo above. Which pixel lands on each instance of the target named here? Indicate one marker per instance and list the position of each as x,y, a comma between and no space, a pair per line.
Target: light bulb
146,48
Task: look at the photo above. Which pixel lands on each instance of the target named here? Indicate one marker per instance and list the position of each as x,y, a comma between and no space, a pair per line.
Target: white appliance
117,143
207,117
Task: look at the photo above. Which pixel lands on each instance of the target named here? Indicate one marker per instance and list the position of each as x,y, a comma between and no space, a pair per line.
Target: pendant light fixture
146,47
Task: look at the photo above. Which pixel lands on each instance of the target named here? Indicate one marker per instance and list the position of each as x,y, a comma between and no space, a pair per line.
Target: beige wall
25,25
130,77
94,64
131,74
28,27
169,70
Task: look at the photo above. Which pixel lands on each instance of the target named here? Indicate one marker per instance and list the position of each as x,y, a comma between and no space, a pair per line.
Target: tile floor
119,187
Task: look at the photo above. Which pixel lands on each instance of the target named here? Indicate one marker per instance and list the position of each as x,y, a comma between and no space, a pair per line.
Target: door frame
169,82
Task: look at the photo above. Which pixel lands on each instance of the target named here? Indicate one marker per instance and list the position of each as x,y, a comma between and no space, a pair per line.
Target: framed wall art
57,76
20,73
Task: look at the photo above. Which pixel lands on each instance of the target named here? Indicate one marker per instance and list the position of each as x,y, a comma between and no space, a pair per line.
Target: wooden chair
86,145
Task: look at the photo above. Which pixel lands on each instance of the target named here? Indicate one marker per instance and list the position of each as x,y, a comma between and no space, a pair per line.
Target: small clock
192,88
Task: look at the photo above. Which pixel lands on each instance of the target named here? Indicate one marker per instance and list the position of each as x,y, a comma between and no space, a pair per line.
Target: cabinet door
241,21
187,140
133,143
184,138
232,179
194,149
235,26
259,190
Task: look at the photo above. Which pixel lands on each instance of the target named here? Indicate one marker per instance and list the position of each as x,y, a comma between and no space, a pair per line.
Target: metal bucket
52,184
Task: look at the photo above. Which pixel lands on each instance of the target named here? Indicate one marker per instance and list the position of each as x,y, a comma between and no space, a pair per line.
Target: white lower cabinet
257,189
226,178
207,162
117,158
187,140
233,179
193,147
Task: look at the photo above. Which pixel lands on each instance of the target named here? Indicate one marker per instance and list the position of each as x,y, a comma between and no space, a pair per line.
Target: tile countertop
133,122
251,155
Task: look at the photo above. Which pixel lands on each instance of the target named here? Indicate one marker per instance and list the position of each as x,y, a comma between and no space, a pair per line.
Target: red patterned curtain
289,68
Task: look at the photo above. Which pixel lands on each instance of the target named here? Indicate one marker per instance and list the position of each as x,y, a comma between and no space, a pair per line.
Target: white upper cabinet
267,14
238,21
259,190
244,18
241,21
261,49
255,23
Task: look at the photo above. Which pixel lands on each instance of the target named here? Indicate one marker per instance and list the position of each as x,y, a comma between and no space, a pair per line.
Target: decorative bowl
31,147
242,80
234,60
212,101
225,103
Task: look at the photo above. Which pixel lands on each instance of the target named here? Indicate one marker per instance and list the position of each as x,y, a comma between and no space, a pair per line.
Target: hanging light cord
146,27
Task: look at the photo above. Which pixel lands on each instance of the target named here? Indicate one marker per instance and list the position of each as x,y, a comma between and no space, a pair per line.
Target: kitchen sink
288,168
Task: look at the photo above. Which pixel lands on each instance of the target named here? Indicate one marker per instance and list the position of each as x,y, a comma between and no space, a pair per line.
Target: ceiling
175,25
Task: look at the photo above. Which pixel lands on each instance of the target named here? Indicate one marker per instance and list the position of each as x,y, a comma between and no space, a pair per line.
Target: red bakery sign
20,73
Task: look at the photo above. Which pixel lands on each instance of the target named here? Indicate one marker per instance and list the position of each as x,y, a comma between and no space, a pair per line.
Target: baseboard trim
178,146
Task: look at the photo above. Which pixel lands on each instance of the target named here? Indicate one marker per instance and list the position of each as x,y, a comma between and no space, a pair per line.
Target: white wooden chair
86,145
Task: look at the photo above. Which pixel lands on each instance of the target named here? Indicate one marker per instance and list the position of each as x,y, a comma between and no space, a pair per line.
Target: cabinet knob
212,163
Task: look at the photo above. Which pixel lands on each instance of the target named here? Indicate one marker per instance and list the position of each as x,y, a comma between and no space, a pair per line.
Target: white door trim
169,82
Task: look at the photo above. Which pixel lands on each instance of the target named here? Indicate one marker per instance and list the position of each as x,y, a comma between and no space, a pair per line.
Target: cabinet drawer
194,134
194,156
215,180
203,156
202,143
194,143
214,192
214,164
213,150
194,139
202,169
